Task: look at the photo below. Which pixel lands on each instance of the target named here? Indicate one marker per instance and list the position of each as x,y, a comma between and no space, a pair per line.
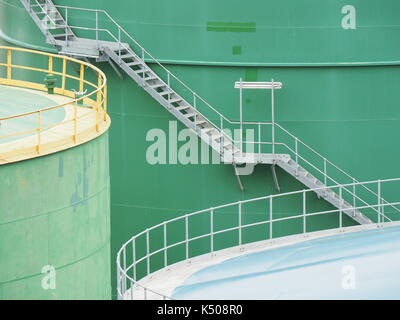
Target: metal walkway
130,56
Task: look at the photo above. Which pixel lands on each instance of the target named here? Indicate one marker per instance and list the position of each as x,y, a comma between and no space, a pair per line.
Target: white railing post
165,246
187,236
304,213
354,197
144,67
222,140
131,288
66,26
270,218
259,138
119,295
240,222
212,231
273,116
325,173
241,115
134,259
97,28
147,251
340,208
195,108
124,274
379,201
169,89
296,146
119,44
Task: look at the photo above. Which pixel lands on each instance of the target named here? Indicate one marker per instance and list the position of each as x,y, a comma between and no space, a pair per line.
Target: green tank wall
340,95
242,32
55,211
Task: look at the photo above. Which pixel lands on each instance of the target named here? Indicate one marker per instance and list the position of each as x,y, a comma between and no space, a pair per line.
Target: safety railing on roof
83,84
237,224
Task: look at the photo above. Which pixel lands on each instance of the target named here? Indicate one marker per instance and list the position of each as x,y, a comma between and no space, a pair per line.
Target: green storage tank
54,186
338,62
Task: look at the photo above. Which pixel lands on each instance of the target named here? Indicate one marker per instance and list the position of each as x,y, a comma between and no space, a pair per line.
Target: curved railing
72,76
236,224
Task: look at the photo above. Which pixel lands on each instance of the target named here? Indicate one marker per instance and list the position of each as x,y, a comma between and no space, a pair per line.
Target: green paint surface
303,32
55,210
251,74
236,50
231,26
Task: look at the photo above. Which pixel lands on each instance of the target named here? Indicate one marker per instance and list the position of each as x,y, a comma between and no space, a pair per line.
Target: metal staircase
52,20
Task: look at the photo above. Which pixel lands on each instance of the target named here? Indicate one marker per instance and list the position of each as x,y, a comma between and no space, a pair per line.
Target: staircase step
142,71
213,133
49,12
163,93
158,85
126,55
182,107
207,130
134,63
190,115
121,50
59,26
227,142
62,36
43,15
36,5
150,78
175,100
199,122
217,136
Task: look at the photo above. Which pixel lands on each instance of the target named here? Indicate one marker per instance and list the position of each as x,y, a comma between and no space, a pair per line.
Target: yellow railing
75,75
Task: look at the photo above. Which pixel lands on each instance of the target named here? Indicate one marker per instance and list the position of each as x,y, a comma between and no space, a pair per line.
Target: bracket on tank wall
238,177
275,177
105,58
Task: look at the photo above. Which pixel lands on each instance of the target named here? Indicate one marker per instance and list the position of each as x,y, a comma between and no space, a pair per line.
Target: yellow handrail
95,98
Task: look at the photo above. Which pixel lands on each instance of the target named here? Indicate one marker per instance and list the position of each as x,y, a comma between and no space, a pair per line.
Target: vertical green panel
55,210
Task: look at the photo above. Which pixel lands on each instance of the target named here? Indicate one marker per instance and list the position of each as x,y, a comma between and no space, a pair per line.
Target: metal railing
175,240
125,41
73,74
307,158
216,118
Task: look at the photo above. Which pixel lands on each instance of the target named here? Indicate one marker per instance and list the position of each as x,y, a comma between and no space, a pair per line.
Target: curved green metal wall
55,213
340,93
245,32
